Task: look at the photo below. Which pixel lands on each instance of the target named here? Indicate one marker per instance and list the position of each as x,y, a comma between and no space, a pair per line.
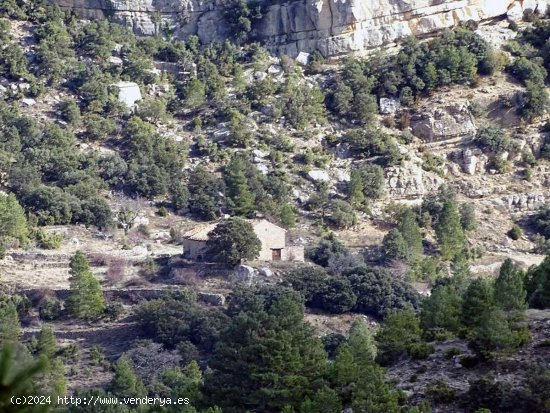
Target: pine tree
13,224
509,288
266,359
355,189
51,381
47,344
204,193
287,216
361,341
395,247
477,300
325,400
125,382
184,382
538,284
441,312
360,382
86,299
400,330
10,328
18,379
409,229
450,234
493,332
240,199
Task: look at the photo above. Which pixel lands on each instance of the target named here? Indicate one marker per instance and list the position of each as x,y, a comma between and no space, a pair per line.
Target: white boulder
318,175
128,93
389,106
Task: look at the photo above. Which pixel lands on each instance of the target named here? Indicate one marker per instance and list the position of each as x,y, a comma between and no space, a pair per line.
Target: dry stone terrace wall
334,27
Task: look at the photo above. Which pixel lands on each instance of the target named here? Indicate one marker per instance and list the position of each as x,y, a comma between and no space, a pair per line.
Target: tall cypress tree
240,199
47,344
409,229
355,189
86,299
450,234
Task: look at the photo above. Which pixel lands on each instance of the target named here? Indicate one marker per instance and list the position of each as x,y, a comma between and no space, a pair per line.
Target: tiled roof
201,232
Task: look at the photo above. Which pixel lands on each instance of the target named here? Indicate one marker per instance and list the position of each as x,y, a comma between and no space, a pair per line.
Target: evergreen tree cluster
491,314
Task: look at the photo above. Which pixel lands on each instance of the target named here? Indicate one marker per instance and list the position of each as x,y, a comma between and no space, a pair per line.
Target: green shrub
49,308
162,211
113,311
440,392
421,350
433,163
47,241
492,140
70,112
451,352
515,232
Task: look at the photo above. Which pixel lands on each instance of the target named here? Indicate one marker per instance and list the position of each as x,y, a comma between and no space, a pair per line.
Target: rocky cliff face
334,27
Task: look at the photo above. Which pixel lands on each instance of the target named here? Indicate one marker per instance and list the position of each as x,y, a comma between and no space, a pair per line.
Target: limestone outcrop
409,180
453,121
334,27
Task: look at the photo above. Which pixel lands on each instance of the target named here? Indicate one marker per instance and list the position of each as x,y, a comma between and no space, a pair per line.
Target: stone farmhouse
272,237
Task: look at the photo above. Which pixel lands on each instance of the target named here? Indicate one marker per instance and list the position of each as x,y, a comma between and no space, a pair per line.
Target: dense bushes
177,318
419,68
531,68
490,315
362,289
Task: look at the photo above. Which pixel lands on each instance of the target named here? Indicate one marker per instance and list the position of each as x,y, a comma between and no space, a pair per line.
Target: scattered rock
474,161
302,58
524,201
341,175
263,168
515,12
117,61
162,235
265,272
212,298
389,106
274,70
244,274
28,102
409,180
259,155
318,175
128,93
259,76
139,250
441,124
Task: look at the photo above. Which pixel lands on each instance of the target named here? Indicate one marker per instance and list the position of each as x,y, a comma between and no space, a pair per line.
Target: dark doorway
276,254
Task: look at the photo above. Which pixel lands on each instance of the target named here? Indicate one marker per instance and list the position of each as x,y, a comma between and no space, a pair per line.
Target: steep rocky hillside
416,181
333,28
